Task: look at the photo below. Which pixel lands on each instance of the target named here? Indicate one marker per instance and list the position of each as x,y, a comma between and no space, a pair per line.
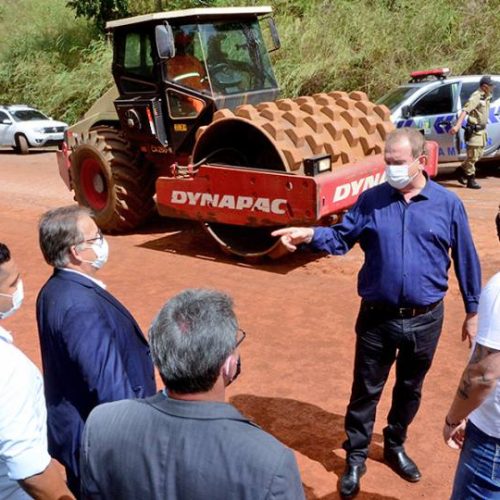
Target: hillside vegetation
61,64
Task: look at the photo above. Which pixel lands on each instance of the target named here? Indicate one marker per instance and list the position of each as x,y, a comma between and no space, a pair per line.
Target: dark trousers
73,483
381,340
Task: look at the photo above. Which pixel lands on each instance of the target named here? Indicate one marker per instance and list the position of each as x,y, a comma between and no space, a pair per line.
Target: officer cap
486,80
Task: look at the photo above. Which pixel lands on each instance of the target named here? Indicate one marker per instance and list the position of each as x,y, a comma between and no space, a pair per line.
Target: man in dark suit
189,444
93,351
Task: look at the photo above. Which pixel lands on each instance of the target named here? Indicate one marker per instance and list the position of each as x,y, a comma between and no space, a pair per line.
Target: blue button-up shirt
407,246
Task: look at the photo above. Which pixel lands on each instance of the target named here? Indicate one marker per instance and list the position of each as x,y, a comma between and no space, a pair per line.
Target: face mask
17,300
101,250
397,175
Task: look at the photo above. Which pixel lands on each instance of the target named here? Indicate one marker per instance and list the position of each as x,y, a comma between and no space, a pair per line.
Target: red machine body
256,197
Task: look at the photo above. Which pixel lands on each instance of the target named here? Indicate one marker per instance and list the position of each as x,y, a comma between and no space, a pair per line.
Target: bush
61,63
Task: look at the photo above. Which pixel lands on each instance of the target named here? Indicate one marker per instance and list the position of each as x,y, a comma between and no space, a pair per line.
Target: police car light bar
439,73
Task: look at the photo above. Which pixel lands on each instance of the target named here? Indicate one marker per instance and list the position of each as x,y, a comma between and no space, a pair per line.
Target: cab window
137,57
134,61
436,102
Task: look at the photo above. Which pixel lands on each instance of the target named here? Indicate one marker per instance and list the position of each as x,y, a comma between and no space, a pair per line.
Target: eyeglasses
99,238
241,334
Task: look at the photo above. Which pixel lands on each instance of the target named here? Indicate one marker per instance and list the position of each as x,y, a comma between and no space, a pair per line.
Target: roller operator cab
173,70
432,100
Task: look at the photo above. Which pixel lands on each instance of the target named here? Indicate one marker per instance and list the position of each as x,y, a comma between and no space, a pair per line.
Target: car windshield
236,57
26,115
394,98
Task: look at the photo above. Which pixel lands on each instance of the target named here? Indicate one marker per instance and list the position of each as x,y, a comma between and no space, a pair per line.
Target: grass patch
61,64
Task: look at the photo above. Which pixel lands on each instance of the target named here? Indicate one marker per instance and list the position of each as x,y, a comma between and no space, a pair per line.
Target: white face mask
17,300
398,175
101,250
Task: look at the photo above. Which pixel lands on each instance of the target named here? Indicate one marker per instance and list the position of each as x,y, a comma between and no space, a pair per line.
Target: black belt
397,312
476,127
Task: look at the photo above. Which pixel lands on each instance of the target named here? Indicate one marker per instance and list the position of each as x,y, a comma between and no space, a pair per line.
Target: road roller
194,128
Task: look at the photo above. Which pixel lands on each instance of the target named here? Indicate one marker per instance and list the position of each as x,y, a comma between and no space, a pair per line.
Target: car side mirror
6,121
406,111
164,41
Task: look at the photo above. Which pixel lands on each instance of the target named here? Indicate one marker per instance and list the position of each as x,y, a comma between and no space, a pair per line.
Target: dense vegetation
60,63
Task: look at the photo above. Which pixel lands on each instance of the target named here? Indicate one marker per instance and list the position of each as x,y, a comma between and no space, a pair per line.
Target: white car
431,102
23,127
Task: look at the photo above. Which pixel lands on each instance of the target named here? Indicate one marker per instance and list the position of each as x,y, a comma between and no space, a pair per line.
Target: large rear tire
22,146
112,180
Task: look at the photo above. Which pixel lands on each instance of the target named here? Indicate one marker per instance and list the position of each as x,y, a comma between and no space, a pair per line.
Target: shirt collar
426,191
96,281
6,336
200,410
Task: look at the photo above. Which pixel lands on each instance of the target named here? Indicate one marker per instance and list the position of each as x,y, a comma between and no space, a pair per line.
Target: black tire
22,146
112,180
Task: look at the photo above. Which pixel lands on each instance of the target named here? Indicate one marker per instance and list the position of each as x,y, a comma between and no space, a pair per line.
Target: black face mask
238,371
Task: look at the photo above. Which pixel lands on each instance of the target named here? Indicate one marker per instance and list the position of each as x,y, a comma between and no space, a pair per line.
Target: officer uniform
478,109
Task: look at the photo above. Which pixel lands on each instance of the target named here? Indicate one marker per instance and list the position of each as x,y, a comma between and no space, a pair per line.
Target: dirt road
299,314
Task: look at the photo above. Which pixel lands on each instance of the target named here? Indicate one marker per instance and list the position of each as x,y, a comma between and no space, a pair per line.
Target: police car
432,100
23,127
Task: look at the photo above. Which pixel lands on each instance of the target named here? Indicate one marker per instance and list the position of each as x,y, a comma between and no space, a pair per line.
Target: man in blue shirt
406,228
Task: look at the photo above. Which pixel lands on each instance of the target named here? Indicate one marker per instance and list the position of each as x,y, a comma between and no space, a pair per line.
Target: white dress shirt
23,417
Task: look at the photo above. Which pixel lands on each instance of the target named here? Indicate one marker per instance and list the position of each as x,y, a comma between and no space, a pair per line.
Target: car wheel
22,146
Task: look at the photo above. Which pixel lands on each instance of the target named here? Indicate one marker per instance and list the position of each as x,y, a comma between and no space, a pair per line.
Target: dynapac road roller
194,127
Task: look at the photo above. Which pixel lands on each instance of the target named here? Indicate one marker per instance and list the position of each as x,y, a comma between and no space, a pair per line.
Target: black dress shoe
403,465
349,482
461,177
471,182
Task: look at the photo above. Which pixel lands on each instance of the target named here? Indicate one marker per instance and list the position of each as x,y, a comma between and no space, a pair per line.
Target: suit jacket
162,448
93,352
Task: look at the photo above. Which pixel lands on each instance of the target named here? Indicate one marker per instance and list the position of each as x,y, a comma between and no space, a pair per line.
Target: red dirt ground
299,314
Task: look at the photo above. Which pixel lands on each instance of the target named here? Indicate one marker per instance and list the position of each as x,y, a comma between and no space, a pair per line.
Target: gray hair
412,135
58,231
191,337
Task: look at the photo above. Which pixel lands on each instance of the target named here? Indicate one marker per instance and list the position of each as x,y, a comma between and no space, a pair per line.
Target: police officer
478,108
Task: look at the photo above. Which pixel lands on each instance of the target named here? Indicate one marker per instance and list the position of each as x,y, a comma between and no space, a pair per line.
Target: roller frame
259,197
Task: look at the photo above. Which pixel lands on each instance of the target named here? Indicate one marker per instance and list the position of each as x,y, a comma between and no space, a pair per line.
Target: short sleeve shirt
23,416
478,108
487,416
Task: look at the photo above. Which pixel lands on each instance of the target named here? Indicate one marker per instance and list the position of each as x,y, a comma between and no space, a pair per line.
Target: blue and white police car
432,100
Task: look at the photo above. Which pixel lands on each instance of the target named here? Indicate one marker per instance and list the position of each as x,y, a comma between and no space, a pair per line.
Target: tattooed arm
478,379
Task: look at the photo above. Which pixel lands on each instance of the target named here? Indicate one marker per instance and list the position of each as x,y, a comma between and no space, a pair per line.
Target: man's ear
74,256
423,161
228,368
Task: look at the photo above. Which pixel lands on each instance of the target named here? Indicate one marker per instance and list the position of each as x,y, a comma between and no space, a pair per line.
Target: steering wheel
225,76
221,68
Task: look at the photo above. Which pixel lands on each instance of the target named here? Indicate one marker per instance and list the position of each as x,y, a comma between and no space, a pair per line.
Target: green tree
100,11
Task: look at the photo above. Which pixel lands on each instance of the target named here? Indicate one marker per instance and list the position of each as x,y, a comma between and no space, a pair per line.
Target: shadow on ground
185,237
307,429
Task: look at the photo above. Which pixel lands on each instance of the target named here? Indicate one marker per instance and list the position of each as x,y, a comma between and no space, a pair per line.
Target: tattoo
480,352
464,387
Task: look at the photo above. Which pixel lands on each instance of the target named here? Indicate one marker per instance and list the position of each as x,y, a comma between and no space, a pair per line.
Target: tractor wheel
109,179
22,146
